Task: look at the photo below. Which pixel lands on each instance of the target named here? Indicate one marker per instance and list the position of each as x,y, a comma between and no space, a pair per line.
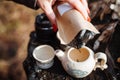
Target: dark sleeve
28,3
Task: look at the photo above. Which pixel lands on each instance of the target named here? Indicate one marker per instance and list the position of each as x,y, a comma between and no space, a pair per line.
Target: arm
46,6
28,3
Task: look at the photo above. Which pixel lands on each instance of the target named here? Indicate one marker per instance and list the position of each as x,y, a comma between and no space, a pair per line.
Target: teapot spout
60,54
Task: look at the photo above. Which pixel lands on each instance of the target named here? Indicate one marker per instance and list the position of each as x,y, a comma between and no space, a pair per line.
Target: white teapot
81,62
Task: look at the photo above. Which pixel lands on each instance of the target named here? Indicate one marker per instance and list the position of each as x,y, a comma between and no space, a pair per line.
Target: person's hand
46,6
80,5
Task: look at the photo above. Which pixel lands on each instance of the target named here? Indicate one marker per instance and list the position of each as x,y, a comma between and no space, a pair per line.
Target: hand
80,5
46,6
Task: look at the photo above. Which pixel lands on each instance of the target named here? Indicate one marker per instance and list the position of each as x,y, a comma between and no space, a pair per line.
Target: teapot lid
42,22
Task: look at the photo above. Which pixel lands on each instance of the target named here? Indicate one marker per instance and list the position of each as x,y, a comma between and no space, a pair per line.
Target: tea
79,55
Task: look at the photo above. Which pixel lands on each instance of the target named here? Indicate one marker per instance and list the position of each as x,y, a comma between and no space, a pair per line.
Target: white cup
44,56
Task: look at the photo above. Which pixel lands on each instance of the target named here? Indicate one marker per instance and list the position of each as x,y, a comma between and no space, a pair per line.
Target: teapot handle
102,63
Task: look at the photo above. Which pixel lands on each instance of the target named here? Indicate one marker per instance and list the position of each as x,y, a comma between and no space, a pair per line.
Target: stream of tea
81,39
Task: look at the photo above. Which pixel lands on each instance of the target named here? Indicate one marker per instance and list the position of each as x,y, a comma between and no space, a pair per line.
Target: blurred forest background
16,23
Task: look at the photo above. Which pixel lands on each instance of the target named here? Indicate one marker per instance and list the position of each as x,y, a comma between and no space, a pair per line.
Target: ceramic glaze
44,56
82,67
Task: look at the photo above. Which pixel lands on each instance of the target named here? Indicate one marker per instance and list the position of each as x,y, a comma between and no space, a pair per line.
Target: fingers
85,4
81,6
46,6
49,12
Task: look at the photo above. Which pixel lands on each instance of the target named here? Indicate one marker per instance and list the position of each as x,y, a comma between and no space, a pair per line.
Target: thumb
49,12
